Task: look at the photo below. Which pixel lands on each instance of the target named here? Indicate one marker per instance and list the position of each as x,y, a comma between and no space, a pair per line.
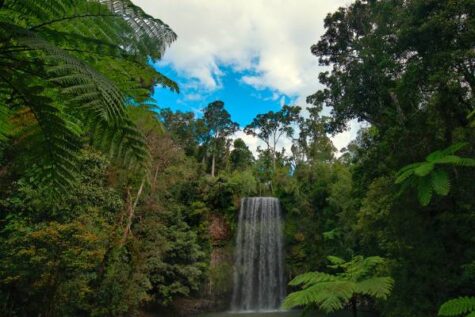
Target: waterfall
258,268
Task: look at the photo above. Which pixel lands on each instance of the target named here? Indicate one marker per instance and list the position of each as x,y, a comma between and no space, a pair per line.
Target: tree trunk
131,208
354,307
273,160
213,164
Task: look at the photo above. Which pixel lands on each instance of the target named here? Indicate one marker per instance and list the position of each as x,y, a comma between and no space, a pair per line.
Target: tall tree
187,130
313,141
241,157
270,127
219,127
407,69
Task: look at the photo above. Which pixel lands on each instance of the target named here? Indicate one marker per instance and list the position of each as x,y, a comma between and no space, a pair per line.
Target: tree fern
429,177
78,63
331,292
462,306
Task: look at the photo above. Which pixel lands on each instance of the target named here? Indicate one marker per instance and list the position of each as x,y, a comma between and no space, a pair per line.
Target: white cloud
341,140
269,38
253,142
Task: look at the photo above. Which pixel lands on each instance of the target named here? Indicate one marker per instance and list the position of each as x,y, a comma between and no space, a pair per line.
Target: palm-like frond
440,182
424,190
459,306
330,292
311,278
329,296
378,287
90,57
124,142
91,90
151,34
429,177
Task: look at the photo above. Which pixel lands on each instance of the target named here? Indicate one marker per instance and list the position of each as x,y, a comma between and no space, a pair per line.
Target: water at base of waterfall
293,313
258,270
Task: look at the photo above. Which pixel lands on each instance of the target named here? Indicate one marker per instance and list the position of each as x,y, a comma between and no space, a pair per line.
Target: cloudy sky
252,54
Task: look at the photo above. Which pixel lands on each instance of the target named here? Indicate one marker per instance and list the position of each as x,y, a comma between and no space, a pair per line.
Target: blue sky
242,101
249,54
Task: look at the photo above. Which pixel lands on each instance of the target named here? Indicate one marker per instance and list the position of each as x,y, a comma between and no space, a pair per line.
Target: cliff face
221,261
217,290
219,230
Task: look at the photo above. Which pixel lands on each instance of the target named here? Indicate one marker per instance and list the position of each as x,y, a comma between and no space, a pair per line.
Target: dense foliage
109,205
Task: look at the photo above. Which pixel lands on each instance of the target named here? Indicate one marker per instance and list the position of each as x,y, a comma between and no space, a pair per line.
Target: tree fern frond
424,191
148,31
404,175
454,148
448,159
40,10
329,296
424,169
124,144
69,72
378,287
57,147
435,155
466,162
311,278
458,306
440,182
332,292
335,260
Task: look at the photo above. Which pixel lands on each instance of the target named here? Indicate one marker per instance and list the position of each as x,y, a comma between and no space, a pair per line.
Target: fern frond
424,169
466,162
448,159
402,176
458,306
435,155
359,267
311,278
454,148
424,191
329,296
70,72
151,34
379,287
335,260
124,143
440,182
39,10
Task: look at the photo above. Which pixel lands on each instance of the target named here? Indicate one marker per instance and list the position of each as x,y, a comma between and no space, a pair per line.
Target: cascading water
258,268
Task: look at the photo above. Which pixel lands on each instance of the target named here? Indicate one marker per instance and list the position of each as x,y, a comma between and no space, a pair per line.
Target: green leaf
335,260
457,306
403,176
434,156
424,169
448,159
440,182
454,148
311,278
424,191
379,287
